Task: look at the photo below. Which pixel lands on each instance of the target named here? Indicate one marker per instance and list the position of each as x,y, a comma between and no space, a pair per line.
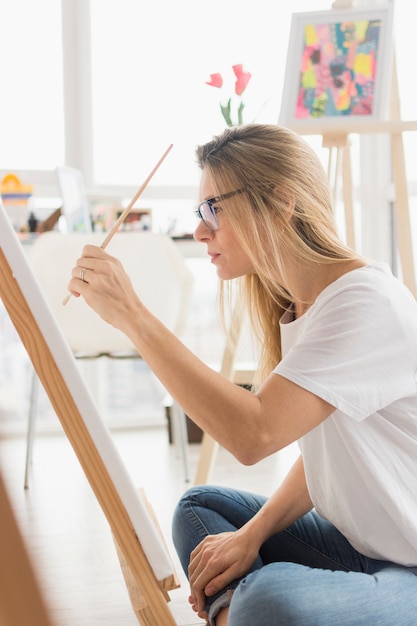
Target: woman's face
223,248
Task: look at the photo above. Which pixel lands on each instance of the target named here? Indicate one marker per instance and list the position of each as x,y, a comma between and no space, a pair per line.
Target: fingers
80,276
102,282
218,582
215,562
204,565
87,264
200,612
82,273
195,573
207,561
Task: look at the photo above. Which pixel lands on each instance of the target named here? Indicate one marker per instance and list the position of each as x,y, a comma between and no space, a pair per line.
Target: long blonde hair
290,211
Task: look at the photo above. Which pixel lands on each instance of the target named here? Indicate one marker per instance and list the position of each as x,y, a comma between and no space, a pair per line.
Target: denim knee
251,601
271,595
180,518
185,535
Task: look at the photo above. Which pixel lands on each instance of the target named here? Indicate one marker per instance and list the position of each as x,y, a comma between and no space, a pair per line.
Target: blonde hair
289,210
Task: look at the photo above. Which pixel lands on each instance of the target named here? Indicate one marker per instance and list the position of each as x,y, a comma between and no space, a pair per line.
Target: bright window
149,67
32,113
149,64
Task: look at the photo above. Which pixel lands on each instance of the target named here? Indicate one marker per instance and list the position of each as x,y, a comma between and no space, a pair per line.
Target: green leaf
225,109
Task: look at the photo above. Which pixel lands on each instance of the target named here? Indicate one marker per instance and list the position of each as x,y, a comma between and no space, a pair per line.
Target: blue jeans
307,575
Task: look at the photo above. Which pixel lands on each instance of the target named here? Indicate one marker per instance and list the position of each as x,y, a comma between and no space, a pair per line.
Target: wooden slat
21,600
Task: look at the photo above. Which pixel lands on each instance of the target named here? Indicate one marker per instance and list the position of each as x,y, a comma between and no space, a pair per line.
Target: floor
68,536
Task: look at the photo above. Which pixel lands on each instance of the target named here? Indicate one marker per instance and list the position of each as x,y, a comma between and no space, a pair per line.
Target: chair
159,275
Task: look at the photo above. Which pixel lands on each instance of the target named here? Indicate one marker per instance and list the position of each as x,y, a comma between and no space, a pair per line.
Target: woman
337,541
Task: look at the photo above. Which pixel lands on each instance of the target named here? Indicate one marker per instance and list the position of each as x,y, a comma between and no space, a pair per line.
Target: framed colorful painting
338,70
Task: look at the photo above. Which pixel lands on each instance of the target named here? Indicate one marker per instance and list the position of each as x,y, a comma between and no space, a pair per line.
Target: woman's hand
102,281
216,561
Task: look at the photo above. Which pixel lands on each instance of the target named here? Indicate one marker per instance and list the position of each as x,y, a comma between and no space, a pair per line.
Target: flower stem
240,113
225,109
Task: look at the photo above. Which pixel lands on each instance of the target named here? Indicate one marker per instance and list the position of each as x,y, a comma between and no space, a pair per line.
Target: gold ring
82,272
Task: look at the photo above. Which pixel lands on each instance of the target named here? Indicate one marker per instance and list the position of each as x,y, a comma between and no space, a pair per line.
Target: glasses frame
210,203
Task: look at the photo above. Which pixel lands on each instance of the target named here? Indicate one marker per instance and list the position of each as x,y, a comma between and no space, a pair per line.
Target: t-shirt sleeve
358,349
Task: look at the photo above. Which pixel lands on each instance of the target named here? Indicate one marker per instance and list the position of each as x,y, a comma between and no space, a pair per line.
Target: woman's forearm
227,412
289,502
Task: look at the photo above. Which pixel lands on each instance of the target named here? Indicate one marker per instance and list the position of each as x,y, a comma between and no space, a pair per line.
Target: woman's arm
221,558
289,502
251,426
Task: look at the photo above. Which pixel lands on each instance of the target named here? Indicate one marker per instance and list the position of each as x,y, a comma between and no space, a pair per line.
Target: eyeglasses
206,211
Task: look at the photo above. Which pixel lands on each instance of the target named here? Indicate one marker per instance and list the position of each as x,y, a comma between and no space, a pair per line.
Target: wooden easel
341,144
54,363
209,447
338,142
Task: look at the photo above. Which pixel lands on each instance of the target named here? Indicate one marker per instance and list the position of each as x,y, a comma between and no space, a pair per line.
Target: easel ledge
331,128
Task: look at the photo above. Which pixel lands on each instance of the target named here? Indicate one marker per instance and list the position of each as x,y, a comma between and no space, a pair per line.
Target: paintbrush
127,210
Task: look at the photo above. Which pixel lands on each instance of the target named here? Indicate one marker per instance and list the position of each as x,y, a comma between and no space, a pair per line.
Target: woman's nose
202,232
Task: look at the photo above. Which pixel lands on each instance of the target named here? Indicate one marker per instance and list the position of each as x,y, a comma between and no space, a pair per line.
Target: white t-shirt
356,347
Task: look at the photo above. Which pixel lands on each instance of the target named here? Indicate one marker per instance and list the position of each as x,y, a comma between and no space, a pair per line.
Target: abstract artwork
338,66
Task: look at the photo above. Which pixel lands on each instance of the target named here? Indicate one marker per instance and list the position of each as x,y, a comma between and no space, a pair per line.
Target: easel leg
333,170
208,453
347,186
342,171
30,436
209,447
402,213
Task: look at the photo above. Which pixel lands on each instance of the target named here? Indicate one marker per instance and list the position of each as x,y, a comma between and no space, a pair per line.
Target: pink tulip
216,80
242,79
